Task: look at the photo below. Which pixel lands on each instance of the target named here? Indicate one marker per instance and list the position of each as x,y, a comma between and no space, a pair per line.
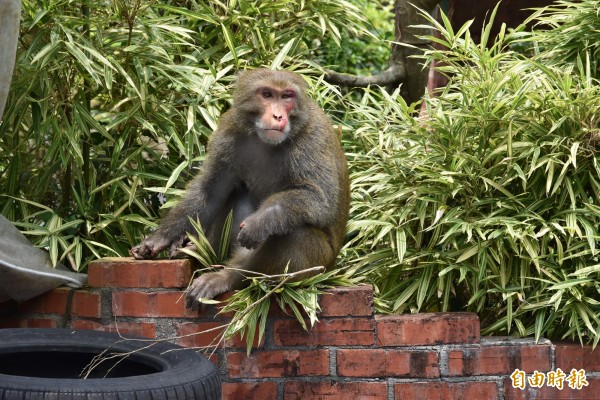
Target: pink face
274,125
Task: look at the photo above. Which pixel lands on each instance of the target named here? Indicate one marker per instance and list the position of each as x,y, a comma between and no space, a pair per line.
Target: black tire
46,363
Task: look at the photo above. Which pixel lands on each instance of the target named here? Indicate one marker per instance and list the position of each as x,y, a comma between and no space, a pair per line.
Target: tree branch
391,76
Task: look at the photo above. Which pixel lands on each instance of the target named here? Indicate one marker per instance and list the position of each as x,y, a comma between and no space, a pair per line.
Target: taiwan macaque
276,161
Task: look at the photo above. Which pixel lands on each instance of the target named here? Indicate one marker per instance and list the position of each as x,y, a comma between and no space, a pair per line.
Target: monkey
276,163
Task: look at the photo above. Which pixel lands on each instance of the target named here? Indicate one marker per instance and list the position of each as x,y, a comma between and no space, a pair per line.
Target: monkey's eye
266,94
287,95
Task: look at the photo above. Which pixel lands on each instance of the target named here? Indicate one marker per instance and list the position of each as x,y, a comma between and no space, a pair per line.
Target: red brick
332,390
590,392
239,342
418,390
495,360
327,332
52,302
387,363
143,329
199,335
28,323
427,329
249,391
573,355
208,334
84,303
470,390
11,323
278,363
126,272
446,390
154,304
354,301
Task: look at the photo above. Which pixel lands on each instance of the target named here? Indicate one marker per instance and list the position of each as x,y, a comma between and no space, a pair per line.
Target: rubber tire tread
185,374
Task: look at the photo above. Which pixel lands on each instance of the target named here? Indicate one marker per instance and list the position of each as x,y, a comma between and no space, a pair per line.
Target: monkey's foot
207,286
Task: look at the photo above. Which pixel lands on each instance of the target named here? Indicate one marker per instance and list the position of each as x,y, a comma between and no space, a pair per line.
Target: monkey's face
272,104
273,125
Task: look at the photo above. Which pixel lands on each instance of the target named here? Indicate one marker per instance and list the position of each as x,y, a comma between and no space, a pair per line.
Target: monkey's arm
202,201
285,210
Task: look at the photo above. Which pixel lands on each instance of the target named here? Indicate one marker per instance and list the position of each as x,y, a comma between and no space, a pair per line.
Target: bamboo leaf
470,252
230,41
282,54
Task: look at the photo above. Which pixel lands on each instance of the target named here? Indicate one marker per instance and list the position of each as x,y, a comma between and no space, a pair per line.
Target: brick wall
350,354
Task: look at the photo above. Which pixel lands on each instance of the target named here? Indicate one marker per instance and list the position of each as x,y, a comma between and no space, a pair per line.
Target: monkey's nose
278,117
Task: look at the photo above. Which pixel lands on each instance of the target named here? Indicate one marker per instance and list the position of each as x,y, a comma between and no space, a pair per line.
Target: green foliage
361,54
112,103
574,36
491,202
202,250
251,305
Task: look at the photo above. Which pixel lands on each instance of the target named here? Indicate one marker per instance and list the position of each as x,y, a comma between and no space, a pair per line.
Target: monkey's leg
303,248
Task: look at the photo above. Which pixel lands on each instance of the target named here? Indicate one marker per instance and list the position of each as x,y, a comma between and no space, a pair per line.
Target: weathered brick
278,363
143,329
446,390
572,355
381,363
249,391
327,332
494,360
52,302
154,304
126,272
199,334
239,342
356,301
84,303
332,390
208,334
427,329
418,390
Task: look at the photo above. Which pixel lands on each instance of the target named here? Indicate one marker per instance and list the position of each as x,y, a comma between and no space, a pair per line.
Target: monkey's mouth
274,135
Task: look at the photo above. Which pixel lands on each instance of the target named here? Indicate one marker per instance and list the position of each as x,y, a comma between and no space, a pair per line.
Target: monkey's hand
149,247
207,286
252,232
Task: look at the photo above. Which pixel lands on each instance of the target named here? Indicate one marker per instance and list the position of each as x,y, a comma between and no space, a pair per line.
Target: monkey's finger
196,303
195,293
193,304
